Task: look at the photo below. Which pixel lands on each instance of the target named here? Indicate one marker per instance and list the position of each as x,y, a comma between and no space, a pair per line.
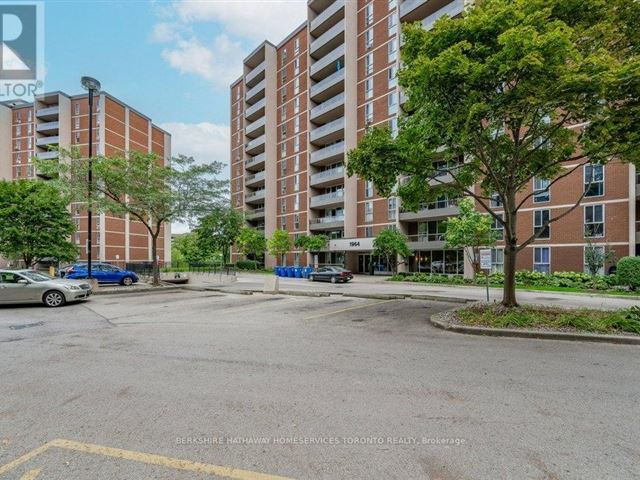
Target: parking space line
356,307
31,474
24,458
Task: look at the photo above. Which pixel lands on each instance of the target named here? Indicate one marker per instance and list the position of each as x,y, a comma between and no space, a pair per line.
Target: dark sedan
331,274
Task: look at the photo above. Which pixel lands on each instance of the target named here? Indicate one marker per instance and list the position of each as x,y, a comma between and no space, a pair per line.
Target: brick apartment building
28,130
301,105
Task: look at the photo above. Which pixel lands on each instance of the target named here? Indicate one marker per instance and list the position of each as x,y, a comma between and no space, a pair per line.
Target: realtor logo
21,52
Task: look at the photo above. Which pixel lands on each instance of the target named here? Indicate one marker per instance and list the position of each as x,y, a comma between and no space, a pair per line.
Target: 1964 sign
351,244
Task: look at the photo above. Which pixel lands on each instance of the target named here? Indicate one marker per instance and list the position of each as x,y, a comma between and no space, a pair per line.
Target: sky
171,60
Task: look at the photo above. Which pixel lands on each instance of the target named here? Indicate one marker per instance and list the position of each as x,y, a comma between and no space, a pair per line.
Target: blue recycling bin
297,271
277,271
290,272
306,271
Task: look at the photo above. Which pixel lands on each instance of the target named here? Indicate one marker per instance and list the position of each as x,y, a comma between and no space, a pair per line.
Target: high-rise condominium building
29,130
301,105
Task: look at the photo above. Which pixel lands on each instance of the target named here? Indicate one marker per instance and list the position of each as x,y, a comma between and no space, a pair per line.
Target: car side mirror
22,281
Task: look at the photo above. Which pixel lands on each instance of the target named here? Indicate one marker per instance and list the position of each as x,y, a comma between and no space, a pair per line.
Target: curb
144,290
376,296
438,298
438,321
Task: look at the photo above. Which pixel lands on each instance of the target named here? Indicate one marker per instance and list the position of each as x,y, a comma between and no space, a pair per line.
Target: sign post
485,264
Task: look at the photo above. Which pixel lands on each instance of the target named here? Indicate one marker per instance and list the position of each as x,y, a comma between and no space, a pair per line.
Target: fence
146,268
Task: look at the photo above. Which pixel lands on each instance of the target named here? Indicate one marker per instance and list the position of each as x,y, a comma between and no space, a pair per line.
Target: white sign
485,259
351,245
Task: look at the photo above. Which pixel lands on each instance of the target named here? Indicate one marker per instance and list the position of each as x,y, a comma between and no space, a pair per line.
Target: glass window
296,202
541,190
296,45
495,200
368,14
392,24
296,163
283,167
391,209
392,101
368,212
296,221
594,180
540,217
497,260
283,205
296,85
368,39
393,76
368,232
368,88
594,221
498,227
542,259
393,125
393,50
296,105
368,113
369,64
392,4
368,189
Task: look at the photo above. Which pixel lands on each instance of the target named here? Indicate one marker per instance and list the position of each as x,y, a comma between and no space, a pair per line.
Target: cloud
251,19
206,142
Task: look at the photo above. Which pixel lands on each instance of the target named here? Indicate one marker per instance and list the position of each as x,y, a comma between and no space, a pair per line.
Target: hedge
628,272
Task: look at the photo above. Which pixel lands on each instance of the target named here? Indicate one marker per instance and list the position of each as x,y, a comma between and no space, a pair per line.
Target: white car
29,286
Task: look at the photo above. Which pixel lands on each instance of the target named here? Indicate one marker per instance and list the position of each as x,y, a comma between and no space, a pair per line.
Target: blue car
102,272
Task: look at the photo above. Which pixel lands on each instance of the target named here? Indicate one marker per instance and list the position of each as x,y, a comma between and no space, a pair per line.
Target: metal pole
90,186
486,274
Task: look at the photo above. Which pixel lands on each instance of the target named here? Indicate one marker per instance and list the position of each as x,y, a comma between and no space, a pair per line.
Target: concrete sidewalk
365,284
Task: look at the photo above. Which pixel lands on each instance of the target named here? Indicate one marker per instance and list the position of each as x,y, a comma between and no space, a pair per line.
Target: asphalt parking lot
215,385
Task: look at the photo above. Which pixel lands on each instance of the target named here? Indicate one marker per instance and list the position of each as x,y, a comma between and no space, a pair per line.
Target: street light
92,86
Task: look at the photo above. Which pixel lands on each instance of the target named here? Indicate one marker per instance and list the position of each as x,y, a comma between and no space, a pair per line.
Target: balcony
426,241
328,133
326,223
417,10
47,155
254,214
328,155
46,141
327,19
255,180
326,178
328,87
256,145
328,110
328,41
433,211
256,128
255,111
255,197
328,200
255,163
253,95
48,127
48,113
328,64
255,75
453,9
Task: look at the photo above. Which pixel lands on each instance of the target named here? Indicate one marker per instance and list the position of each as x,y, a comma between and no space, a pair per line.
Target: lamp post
92,86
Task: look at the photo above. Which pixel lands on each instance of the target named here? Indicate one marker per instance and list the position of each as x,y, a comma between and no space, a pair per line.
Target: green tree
187,248
311,243
142,186
34,223
252,242
391,243
470,230
279,244
219,230
515,90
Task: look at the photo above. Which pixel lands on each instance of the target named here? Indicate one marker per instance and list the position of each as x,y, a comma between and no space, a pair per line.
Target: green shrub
628,272
247,265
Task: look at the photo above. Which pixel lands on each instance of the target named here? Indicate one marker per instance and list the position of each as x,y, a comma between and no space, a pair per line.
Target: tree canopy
219,229
252,242
390,243
514,91
279,244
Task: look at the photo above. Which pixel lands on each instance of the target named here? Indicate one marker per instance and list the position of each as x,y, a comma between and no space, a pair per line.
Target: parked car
331,274
102,272
29,286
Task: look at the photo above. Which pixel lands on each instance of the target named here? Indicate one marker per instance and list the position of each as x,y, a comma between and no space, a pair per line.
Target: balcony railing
253,144
254,214
257,195
327,106
325,220
47,141
327,198
453,9
331,174
47,155
327,37
327,61
330,81
256,177
332,10
331,152
254,126
48,111
255,161
253,74
437,209
48,126
255,108
253,92
327,129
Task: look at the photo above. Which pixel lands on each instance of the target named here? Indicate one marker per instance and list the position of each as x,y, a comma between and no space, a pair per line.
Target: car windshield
36,276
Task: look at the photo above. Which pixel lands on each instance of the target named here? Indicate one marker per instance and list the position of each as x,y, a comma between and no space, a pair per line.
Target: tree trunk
154,253
509,290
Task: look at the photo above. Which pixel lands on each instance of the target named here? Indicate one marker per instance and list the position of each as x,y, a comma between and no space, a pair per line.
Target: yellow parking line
348,309
24,458
31,474
168,462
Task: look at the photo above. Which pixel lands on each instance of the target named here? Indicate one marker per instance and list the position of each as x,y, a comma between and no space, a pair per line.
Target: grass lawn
551,318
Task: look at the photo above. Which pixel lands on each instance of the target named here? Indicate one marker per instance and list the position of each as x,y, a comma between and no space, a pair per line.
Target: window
392,103
296,144
283,59
391,209
77,105
296,202
597,250
497,260
29,115
542,259
283,131
296,222
296,46
368,212
368,39
368,113
296,86
283,205
16,145
296,125
283,167
368,88
392,48
368,232
368,64
30,141
541,190
495,200
283,113
594,180
498,227
296,66
283,76
283,149
393,76
283,223
368,14
296,163
296,105
368,189
540,217
283,187
392,24
296,183
393,4
594,221
29,127
393,125
77,137
296,255
18,130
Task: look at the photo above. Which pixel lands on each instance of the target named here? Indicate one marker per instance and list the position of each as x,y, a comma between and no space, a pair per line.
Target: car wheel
311,278
54,298
334,280
127,281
